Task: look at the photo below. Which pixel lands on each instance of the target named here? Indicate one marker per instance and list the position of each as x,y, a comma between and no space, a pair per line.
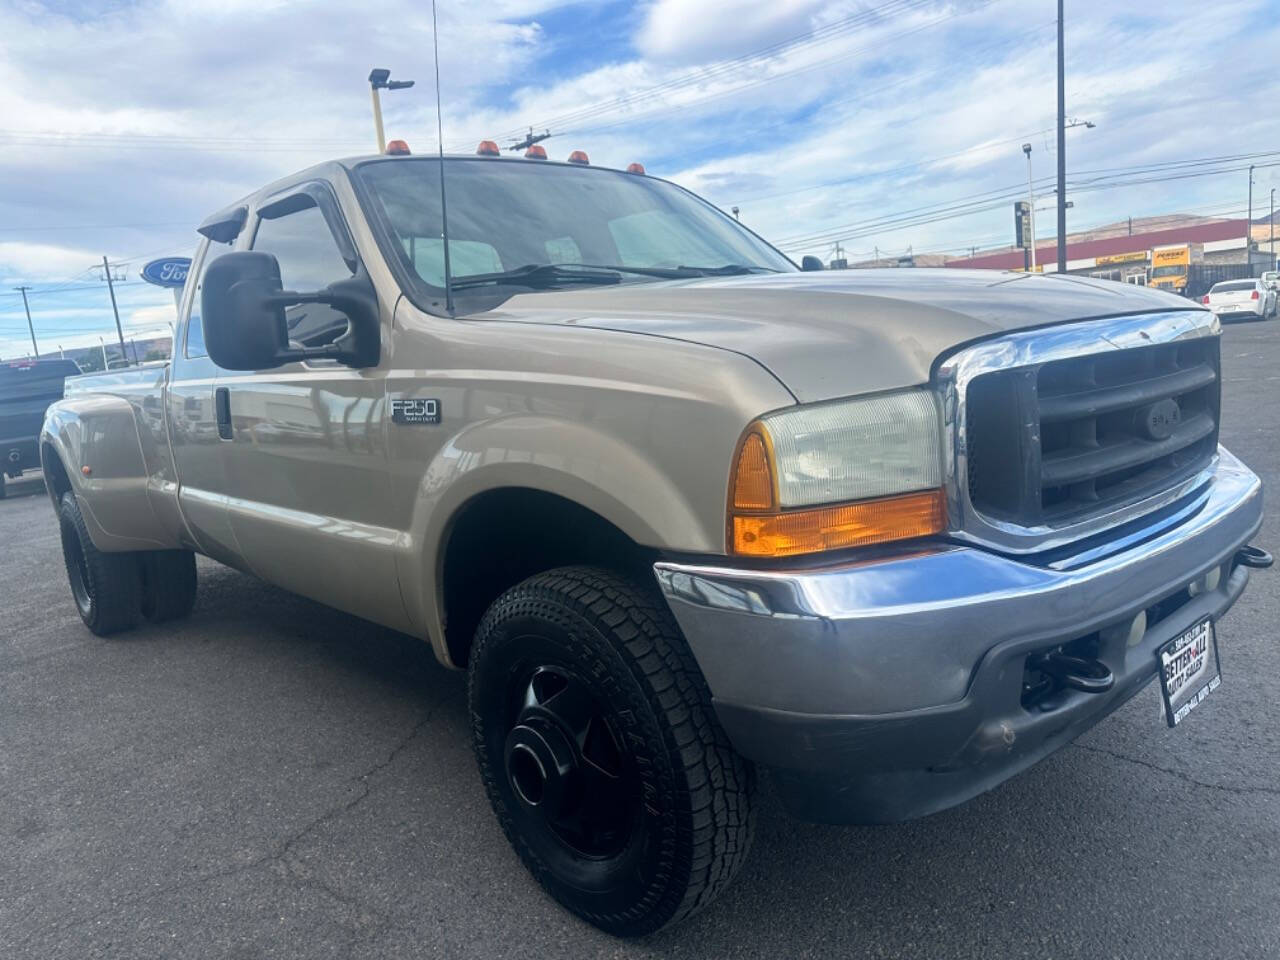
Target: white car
1241,298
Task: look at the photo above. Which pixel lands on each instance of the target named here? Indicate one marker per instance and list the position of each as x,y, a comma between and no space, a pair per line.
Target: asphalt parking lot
273,779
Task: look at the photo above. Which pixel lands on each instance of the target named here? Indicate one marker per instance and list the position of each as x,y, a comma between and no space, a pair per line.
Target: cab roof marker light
536,152
397,148
636,168
488,148
579,156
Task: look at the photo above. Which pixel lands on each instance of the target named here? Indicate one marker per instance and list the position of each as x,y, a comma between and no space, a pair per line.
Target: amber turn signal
860,524
753,480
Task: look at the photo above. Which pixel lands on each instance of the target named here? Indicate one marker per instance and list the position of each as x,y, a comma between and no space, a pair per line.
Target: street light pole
26,306
1271,242
1062,152
1248,228
380,79
1031,204
377,119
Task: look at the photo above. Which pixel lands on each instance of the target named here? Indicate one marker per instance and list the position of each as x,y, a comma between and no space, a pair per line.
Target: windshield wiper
679,273
540,276
728,270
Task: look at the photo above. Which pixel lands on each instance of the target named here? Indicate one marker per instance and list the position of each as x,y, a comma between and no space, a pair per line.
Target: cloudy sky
873,122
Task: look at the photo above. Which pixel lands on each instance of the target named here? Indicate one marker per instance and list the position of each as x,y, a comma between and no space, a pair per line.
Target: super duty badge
415,410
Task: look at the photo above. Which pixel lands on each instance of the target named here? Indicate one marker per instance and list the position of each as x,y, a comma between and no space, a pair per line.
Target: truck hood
833,334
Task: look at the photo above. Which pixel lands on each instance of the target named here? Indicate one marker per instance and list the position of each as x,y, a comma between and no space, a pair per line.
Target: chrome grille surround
1032,349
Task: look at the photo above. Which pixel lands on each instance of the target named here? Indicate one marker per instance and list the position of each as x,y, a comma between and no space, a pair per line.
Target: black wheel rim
567,766
77,570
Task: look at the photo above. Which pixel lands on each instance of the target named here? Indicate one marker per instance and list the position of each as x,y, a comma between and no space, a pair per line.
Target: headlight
871,466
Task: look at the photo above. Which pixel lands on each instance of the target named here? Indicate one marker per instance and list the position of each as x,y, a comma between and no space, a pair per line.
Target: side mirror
242,306
810,263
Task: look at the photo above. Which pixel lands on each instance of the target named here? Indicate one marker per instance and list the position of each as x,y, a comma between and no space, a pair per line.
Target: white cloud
175,108
695,31
22,262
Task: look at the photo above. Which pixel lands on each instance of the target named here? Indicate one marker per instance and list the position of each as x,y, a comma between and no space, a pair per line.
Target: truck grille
1054,443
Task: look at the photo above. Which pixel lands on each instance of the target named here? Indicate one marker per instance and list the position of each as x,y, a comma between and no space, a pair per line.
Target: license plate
1189,671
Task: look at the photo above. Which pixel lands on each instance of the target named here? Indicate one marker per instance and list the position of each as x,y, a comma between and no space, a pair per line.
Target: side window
309,261
194,347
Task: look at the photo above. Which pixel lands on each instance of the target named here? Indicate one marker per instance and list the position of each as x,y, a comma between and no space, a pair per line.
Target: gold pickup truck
683,511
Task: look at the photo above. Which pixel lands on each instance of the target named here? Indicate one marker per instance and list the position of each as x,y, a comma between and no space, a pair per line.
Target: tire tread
717,784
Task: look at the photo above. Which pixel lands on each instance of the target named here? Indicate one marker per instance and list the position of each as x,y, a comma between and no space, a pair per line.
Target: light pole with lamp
1248,229
380,79
1031,205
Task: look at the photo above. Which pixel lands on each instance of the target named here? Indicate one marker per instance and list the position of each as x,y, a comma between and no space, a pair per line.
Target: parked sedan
1241,299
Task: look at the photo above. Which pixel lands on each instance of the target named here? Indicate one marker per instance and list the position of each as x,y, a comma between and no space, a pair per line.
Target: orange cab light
488,148
579,156
753,480
847,525
398,148
636,168
536,152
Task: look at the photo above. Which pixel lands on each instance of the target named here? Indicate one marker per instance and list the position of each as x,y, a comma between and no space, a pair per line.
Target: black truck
27,388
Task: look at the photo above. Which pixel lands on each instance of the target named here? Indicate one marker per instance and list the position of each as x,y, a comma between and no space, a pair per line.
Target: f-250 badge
416,410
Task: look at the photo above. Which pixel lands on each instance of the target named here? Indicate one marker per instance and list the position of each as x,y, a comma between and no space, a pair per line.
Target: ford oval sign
167,271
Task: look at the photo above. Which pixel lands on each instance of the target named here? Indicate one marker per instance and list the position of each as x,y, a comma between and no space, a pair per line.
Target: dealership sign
1122,258
167,271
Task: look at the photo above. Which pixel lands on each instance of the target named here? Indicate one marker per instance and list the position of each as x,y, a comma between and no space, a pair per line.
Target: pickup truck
27,388
682,511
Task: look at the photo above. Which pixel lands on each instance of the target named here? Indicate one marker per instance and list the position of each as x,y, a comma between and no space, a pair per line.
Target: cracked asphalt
273,779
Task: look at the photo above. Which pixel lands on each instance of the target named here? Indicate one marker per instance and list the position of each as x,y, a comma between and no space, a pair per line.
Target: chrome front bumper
915,661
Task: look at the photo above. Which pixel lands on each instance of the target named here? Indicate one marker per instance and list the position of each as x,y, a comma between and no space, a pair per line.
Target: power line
981,203
96,226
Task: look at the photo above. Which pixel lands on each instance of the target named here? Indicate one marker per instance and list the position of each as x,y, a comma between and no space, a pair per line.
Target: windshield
509,215
1169,271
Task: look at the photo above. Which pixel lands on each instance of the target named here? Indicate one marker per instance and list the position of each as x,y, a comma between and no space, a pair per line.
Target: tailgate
26,391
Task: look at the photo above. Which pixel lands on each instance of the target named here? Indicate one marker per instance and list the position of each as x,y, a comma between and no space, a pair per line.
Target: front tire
106,586
601,754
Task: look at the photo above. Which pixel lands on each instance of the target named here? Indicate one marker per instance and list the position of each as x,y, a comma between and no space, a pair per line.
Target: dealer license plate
1189,671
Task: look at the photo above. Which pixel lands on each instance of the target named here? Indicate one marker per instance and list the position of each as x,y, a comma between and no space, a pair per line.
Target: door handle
222,403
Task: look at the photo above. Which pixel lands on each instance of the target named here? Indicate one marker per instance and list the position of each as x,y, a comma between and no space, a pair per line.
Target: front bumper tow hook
1256,557
1077,673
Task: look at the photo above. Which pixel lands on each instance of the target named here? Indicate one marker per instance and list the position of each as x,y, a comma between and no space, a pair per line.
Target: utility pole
26,306
533,138
103,347
1062,152
1271,243
1248,228
106,272
1031,205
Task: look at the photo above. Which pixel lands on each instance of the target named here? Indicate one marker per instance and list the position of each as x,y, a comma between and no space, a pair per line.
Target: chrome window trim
1032,348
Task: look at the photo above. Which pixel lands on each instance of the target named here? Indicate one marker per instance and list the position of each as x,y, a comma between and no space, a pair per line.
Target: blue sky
123,124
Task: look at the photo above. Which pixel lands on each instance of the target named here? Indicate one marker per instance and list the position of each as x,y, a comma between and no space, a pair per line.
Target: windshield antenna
444,211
